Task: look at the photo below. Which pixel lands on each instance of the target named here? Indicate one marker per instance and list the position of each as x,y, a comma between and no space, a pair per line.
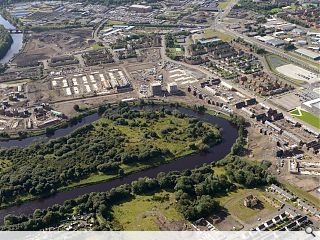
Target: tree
50,131
76,108
261,51
185,184
206,205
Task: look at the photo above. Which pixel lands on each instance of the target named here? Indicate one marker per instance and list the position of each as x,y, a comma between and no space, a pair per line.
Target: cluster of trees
170,41
40,169
194,191
249,174
238,147
3,67
5,43
295,21
96,203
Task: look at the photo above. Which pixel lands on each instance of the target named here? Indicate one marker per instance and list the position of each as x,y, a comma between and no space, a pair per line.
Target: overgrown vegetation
121,142
195,192
5,43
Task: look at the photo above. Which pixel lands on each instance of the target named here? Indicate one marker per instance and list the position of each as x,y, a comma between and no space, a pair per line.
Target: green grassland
90,180
97,46
233,202
209,33
178,144
123,144
114,22
142,212
306,117
175,52
224,4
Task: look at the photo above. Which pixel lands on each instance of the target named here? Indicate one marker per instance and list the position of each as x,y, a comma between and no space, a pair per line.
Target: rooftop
308,53
313,103
139,6
210,40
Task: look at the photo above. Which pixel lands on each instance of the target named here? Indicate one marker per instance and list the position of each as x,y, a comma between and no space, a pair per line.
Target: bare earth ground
259,147
44,45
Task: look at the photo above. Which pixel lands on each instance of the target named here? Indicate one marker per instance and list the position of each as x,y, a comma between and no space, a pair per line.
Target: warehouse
309,54
312,106
275,42
140,8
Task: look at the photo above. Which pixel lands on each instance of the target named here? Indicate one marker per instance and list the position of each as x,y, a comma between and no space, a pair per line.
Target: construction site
106,81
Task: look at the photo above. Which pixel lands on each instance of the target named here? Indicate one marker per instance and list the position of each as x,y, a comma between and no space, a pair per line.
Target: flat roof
313,103
155,84
307,52
139,6
264,38
275,41
203,41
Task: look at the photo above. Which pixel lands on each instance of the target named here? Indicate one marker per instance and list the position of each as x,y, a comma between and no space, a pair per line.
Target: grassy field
175,52
209,33
219,114
306,117
223,4
143,212
97,46
302,194
233,202
114,22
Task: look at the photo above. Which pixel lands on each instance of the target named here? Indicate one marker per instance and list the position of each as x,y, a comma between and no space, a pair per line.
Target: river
229,136
58,133
17,41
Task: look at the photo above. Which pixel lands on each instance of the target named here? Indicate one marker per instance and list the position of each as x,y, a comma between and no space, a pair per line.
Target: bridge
15,31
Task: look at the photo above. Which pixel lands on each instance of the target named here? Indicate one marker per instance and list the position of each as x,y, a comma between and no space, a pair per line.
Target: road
269,48
236,87
221,26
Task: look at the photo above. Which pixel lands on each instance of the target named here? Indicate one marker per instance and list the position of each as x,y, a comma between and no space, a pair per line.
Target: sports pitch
306,117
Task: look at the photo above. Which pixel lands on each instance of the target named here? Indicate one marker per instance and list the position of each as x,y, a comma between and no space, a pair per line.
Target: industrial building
140,8
309,54
312,106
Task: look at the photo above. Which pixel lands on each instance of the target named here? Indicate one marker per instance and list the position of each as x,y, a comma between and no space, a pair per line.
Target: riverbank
40,134
17,40
135,134
188,162
5,41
